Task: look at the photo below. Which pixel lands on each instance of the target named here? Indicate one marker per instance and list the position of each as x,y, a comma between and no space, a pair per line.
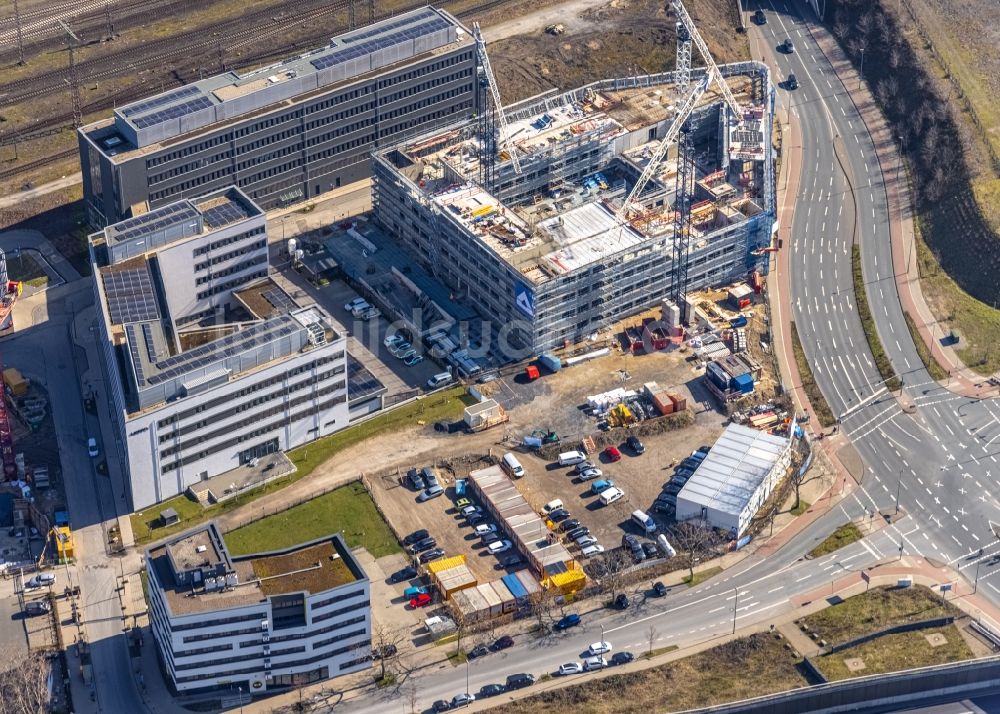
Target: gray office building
285,132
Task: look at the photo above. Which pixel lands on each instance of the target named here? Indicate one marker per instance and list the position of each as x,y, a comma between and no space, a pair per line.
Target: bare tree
24,686
694,538
651,634
840,30
542,602
613,564
411,696
385,645
865,24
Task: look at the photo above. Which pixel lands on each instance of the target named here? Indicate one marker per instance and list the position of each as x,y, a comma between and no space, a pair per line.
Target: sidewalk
963,381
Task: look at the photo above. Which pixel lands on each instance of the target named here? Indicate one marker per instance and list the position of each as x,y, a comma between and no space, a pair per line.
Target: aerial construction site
594,204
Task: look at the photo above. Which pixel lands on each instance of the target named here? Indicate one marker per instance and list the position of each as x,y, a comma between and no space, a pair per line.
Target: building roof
314,567
733,470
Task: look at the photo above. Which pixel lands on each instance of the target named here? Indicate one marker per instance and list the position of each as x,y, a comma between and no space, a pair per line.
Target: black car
416,536
511,561
503,643
703,449
792,83
478,651
569,525
385,651
560,514
635,445
407,573
491,690
441,705
415,480
760,18
787,47
517,681
650,549
577,532
659,589
622,602
430,478
431,555
474,518
622,658
421,546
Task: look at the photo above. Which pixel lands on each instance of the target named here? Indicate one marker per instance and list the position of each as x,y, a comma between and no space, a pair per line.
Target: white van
553,505
439,379
643,520
512,465
611,495
571,458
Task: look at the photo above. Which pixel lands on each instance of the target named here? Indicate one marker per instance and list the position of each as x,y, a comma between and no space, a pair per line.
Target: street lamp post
736,605
899,482
862,70
240,690
975,585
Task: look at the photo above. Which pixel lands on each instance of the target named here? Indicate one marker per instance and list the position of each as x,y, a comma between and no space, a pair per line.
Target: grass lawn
349,509
441,406
876,609
656,652
845,535
801,508
813,393
701,576
25,268
701,680
882,362
893,653
934,367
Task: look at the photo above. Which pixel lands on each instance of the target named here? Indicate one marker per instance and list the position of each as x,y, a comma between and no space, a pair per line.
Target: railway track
57,123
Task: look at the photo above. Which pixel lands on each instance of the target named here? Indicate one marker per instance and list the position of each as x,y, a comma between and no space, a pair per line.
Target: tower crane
714,75
484,61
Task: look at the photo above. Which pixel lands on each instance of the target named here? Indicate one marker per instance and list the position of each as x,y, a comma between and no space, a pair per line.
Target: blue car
571,620
601,485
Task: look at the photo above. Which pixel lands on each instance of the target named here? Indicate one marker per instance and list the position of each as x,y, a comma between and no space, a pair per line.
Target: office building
210,364
257,623
541,254
736,478
285,132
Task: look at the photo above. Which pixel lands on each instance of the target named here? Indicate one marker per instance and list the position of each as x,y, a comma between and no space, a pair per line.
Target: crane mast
484,60
714,75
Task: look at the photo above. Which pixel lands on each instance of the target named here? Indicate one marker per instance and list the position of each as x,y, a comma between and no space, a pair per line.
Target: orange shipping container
680,403
662,402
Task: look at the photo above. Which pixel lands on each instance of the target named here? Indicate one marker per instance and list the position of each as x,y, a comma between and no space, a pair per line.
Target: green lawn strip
348,509
801,508
845,535
882,362
875,610
24,268
894,653
658,651
704,679
701,576
934,367
443,406
812,390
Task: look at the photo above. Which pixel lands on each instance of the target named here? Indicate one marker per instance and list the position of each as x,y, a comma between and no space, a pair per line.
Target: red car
420,600
612,453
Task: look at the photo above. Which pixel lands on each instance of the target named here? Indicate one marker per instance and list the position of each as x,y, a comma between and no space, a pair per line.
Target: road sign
867,578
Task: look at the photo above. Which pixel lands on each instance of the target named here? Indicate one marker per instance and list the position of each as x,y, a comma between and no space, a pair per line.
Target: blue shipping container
550,362
744,383
515,587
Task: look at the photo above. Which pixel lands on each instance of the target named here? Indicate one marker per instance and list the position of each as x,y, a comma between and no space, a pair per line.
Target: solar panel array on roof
133,348
147,336
162,100
360,381
380,28
178,110
371,46
229,346
224,214
153,221
279,299
130,295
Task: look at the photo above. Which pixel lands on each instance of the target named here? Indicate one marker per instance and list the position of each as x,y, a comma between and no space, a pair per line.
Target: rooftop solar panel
130,296
156,220
278,299
178,110
133,349
224,214
379,29
160,101
380,43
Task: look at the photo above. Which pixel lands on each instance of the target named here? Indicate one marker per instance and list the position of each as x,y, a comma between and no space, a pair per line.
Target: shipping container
13,379
550,362
516,588
680,403
532,373
508,603
663,403
743,383
762,421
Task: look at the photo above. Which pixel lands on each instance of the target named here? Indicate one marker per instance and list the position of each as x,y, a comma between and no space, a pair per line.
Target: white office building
211,365
260,622
735,479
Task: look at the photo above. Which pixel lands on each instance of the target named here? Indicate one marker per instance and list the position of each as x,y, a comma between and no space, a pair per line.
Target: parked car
612,454
355,303
485,528
40,581
416,537
470,509
414,591
408,354
659,589
413,360
430,555
503,643
384,651
622,658
415,480
430,477
439,380
511,561
650,549
636,446
518,681
498,547
421,545
583,466
401,576
611,495
474,518
594,663
591,550
599,648
462,700
478,651
578,532
429,493
489,538
400,348
560,514
441,705
622,601
601,485
421,600
569,525
591,473
92,447
491,690
570,668
568,621
553,505
462,503
586,540
393,339
37,607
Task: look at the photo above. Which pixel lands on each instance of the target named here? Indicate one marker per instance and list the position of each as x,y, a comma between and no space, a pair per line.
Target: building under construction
576,210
